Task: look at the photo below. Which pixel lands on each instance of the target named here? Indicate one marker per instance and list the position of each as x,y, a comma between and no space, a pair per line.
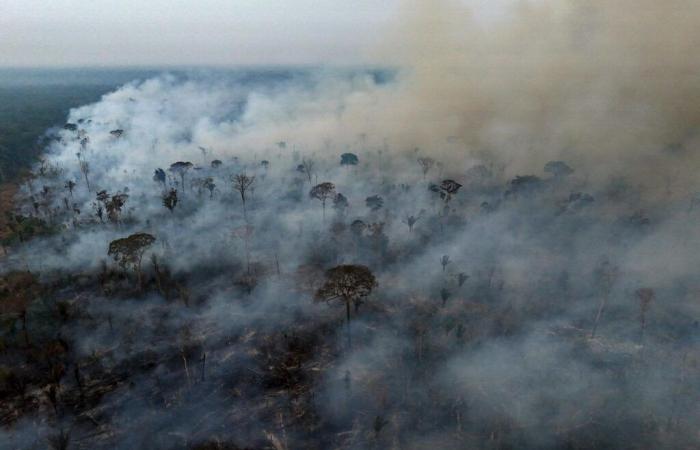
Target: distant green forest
34,100
26,112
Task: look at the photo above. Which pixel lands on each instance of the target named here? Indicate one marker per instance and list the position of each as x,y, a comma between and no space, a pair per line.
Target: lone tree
85,169
210,186
523,185
645,297
245,233
444,261
170,199
181,168
242,183
446,189
340,203
349,159
159,176
323,192
374,202
307,168
114,206
349,284
606,275
558,169
411,219
426,164
129,251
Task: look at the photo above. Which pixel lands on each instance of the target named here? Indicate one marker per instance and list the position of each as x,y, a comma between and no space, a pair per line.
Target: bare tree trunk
601,307
187,369
347,321
79,382
247,254
140,280
138,274
24,328
87,181
159,282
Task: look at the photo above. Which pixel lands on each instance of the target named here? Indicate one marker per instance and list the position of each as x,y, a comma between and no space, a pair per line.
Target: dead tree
445,295
461,278
645,296
307,168
242,183
426,164
70,185
606,274
85,169
444,261
411,219
245,233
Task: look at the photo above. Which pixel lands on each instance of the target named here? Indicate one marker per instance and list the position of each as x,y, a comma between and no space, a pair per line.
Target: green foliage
348,283
129,250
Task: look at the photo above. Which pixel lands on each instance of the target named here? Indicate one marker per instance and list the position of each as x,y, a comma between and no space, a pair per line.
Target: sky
202,32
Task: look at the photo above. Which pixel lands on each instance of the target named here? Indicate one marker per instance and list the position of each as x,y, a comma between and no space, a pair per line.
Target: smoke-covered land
491,244
33,101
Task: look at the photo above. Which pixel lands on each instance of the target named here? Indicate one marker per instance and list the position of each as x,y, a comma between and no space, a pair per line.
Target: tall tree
411,219
70,185
323,192
426,164
349,159
340,203
159,176
307,168
85,169
128,251
114,206
350,284
210,186
245,233
606,275
242,183
170,199
181,168
374,202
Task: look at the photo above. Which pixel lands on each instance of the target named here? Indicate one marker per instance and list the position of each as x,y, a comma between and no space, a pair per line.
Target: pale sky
193,32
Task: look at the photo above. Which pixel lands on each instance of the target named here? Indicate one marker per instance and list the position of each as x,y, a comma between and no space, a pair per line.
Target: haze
208,32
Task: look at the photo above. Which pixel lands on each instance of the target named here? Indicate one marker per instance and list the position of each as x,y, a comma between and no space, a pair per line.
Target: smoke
508,315
606,85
